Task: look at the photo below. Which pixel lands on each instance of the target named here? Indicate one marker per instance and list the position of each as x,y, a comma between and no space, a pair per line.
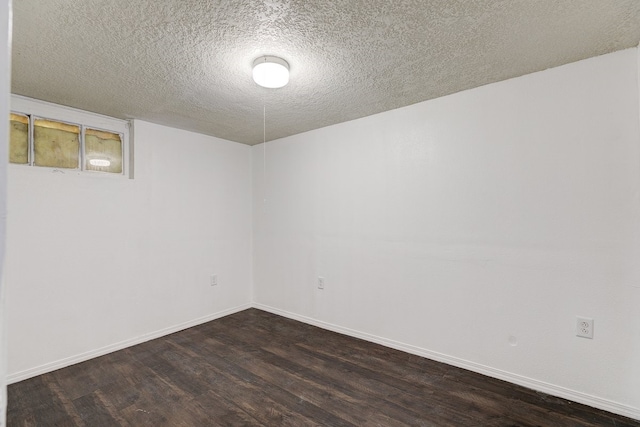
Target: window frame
35,109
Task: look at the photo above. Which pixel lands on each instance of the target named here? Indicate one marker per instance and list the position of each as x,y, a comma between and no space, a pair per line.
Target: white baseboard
63,363
551,389
531,383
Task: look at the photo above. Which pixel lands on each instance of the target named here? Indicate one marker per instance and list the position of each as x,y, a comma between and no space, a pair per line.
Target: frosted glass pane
103,151
19,139
56,144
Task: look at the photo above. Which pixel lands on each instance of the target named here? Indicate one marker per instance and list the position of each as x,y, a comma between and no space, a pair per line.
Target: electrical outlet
584,327
320,282
213,280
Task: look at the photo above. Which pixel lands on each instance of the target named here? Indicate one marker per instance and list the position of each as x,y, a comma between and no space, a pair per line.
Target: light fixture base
271,72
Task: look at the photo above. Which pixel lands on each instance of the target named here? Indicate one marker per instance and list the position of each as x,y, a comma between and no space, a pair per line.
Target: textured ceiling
187,63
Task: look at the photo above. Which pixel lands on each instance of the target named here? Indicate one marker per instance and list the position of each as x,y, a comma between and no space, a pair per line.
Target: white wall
5,80
452,228
98,263
455,227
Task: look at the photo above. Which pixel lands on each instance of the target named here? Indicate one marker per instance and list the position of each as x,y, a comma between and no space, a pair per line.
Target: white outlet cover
584,327
214,280
320,282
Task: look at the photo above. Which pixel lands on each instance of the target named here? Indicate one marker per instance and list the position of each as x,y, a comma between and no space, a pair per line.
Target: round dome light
271,72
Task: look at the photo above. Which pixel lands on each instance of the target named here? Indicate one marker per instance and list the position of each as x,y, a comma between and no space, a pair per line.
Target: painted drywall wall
5,80
472,228
97,263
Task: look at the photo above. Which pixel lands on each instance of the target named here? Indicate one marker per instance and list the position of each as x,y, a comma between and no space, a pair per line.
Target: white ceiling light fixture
271,72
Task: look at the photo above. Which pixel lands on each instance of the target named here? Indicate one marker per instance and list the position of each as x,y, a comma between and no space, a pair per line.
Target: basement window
56,144
103,151
19,140
47,135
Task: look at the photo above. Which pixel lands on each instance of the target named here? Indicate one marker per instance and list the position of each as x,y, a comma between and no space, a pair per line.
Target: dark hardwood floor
257,369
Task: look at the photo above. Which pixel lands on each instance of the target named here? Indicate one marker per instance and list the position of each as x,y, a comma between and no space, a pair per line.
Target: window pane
103,151
19,139
56,144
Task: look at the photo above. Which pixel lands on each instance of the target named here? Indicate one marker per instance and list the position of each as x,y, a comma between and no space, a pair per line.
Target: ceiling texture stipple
188,63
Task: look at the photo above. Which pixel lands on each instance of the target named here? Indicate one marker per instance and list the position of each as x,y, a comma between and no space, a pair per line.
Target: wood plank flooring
257,369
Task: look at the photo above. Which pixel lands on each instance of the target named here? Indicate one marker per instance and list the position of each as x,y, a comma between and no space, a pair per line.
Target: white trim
130,167
72,360
531,383
551,389
49,110
638,86
6,14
